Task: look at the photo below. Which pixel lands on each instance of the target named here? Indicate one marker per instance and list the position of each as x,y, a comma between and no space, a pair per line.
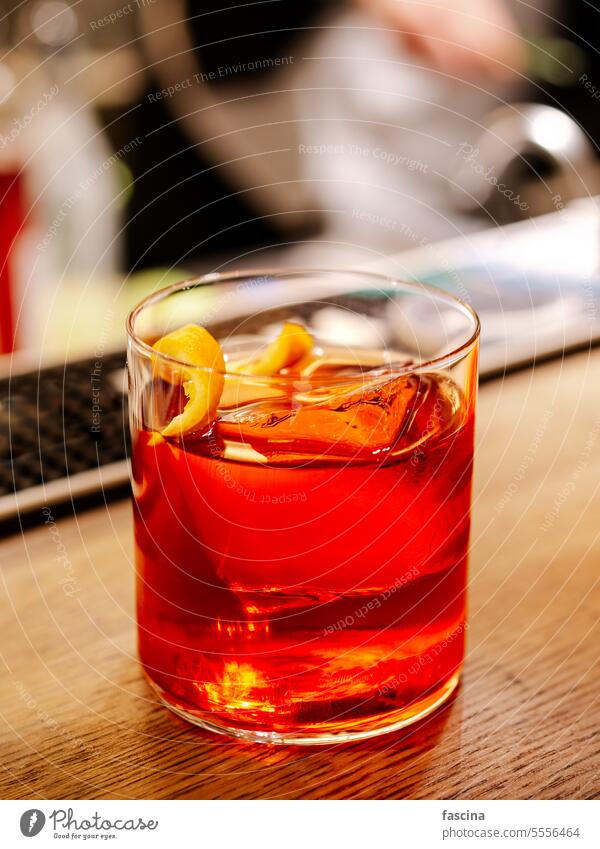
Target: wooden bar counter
79,721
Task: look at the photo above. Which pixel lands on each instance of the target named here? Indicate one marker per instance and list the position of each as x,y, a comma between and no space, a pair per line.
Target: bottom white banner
291,824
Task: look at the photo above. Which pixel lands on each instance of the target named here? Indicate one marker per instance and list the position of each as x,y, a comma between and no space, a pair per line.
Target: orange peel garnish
200,372
155,439
292,345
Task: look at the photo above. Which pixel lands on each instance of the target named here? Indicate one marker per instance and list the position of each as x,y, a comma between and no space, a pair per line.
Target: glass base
315,735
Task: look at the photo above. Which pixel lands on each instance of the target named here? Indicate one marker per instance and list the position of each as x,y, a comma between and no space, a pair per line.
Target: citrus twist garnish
293,343
202,382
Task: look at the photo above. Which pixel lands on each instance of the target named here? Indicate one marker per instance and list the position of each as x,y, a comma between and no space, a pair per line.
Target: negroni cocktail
302,527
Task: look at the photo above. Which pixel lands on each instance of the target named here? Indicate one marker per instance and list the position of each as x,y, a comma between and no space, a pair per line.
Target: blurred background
146,141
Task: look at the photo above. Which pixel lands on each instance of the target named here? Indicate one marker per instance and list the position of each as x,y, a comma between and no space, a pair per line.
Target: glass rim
418,288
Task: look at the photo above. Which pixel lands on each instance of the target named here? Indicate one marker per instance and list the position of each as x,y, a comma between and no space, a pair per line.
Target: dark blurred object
185,203
239,34
529,159
577,24
179,207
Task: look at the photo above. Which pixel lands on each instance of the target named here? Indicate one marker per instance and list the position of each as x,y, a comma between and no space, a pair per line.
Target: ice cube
369,417
361,418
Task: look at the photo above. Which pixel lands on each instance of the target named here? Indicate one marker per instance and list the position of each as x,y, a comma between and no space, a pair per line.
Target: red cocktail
302,549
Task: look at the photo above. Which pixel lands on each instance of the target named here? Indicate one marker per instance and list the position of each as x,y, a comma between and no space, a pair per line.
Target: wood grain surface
79,721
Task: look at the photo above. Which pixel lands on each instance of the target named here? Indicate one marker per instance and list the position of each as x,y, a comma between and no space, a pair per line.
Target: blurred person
240,99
